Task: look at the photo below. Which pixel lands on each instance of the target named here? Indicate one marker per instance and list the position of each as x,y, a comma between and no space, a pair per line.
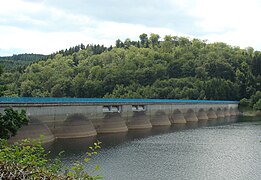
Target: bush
244,102
24,161
255,98
257,105
11,121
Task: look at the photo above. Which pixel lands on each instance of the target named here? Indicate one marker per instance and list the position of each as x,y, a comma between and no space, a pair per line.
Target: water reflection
225,148
80,145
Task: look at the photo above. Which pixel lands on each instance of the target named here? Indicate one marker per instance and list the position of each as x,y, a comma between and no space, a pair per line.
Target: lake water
218,149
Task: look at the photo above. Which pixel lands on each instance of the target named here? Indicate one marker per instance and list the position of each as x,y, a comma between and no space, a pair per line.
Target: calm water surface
216,149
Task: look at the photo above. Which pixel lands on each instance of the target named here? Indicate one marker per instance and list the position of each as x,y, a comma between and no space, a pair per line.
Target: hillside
19,61
177,68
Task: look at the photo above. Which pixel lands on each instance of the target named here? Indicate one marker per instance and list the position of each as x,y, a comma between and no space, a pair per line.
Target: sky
46,26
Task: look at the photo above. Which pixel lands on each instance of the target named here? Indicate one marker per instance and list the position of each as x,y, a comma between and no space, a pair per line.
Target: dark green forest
173,68
18,62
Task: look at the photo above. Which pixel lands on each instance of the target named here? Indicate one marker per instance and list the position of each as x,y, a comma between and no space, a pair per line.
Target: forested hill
19,61
176,68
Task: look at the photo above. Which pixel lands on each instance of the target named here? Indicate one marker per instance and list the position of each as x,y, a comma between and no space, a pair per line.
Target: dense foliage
18,62
11,121
24,161
176,67
254,102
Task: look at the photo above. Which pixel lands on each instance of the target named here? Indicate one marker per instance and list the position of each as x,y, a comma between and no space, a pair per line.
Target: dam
84,117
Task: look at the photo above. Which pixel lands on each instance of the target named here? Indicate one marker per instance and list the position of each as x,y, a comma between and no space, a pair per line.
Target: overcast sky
46,26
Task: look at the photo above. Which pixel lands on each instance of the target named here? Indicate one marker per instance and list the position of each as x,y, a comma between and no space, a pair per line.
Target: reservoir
226,148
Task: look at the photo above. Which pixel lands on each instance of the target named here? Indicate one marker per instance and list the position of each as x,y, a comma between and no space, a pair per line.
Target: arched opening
177,117
220,113
190,116
76,125
112,123
34,130
211,114
202,115
232,112
226,112
160,118
139,120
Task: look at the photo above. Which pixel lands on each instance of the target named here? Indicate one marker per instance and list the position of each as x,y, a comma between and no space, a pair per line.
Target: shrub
11,121
257,105
244,102
24,161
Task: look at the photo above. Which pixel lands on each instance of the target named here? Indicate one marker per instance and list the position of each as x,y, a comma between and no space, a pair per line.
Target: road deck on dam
4,100
84,117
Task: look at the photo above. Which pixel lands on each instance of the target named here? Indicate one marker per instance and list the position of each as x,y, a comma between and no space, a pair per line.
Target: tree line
173,68
18,62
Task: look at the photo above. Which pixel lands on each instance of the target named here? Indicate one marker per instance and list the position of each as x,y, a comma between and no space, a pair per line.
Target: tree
144,41
2,87
154,40
1,70
220,69
257,105
119,43
256,64
168,44
82,46
127,43
11,121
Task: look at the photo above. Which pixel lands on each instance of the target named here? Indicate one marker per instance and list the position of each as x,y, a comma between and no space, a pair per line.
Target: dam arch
202,115
232,112
220,113
190,116
112,122
226,112
34,130
177,117
211,114
75,125
139,120
160,118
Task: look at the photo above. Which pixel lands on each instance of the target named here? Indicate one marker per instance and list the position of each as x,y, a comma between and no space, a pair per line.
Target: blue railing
102,100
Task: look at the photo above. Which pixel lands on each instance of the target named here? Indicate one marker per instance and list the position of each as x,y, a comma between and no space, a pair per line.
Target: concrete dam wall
83,117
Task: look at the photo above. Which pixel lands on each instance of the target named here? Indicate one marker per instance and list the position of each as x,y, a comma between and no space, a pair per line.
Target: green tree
11,121
257,105
154,40
220,69
167,45
144,41
119,43
256,64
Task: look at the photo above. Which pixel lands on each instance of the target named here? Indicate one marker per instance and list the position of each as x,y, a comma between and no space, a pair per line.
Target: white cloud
234,22
39,27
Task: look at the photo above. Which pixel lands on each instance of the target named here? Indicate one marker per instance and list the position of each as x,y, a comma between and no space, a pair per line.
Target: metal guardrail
101,100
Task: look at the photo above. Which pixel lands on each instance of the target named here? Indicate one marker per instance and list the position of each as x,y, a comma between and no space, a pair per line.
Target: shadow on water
80,145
